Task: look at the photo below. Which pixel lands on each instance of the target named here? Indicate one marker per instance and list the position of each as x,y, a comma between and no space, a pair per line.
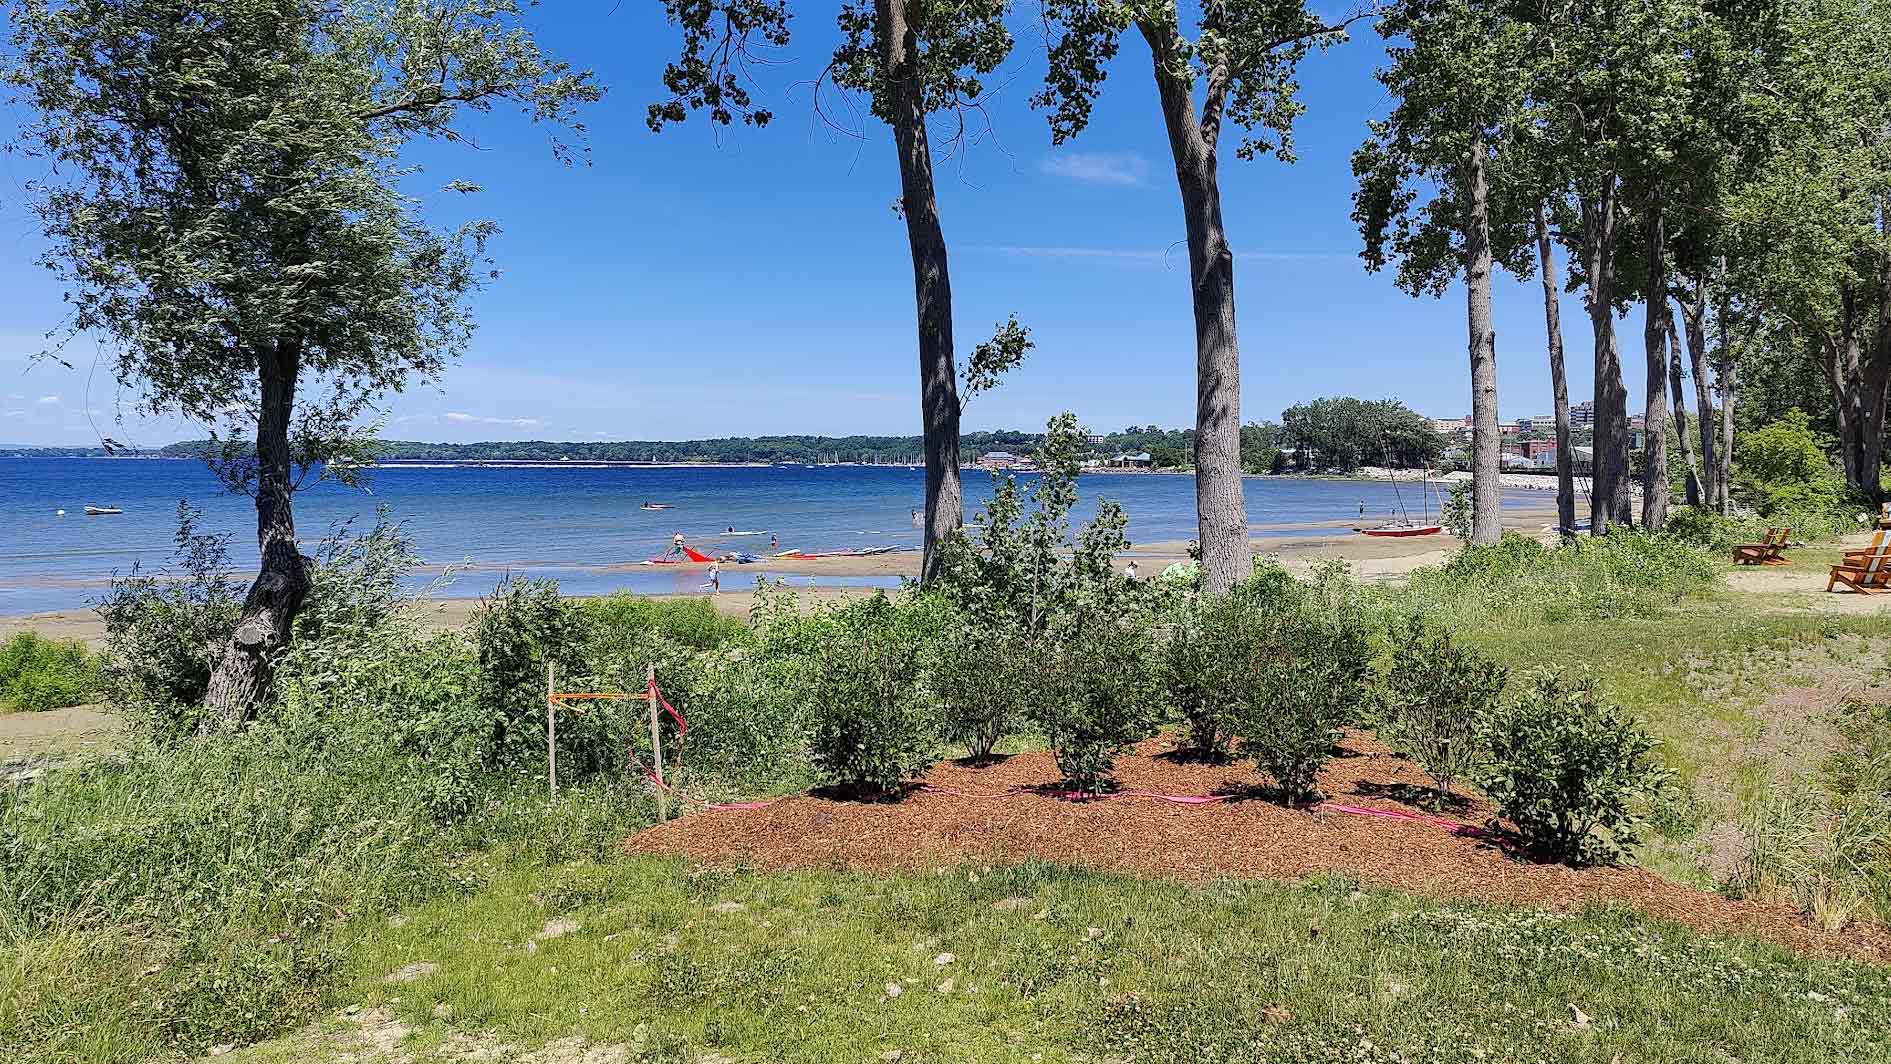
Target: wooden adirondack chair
1866,572
1857,557
1766,552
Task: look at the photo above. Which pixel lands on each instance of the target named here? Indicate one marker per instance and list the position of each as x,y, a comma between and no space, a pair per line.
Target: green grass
1051,965
40,673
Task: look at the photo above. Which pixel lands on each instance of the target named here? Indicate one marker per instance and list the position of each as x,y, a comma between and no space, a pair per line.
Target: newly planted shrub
1570,770
1438,697
870,728
40,673
1096,694
1209,662
1305,674
979,678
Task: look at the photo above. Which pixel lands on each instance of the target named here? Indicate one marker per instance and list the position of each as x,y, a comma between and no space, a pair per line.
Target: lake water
563,521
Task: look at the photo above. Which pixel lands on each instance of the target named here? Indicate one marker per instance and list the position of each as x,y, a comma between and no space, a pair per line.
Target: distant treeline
1166,446
1322,435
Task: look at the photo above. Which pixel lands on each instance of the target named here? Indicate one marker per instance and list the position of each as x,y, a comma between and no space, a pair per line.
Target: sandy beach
1298,547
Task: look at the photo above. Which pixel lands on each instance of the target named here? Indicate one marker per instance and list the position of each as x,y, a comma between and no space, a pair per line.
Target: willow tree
224,207
913,60
1457,82
1241,64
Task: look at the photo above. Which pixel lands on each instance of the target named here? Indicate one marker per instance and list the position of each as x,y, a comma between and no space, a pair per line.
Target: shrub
1207,661
1625,573
870,730
1783,468
1437,699
1569,770
1457,513
41,673
1095,695
976,677
518,630
164,632
1306,679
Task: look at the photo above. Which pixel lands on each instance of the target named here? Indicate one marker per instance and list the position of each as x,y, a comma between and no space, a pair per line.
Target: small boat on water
1400,533
102,511
655,506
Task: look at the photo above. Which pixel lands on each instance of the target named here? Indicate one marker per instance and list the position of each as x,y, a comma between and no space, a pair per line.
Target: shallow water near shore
580,524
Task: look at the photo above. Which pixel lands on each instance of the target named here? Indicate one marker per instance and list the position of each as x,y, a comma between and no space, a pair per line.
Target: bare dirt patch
1247,835
56,731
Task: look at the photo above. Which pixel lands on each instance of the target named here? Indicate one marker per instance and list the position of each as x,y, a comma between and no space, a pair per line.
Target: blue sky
742,282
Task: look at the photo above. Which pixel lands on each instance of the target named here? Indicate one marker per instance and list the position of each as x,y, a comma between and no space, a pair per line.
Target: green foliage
41,673
691,622
1209,658
870,728
520,629
1627,573
1345,433
1303,676
978,679
173,136
1571,770
162,631
1456,514
1024,572
1438,699
1096,693
1783,468
1710,531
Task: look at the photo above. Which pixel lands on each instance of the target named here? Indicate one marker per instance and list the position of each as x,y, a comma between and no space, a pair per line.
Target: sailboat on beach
1404,527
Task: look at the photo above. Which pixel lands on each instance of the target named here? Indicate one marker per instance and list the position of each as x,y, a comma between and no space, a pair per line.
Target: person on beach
1129,572
715,578
774,541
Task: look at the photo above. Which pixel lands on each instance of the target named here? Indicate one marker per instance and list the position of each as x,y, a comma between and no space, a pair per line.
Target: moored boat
1400,533
102,511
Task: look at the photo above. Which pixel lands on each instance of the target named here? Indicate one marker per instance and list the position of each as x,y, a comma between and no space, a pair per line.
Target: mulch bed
1247,835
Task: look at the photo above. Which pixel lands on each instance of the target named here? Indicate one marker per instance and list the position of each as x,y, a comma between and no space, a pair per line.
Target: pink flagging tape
1020,792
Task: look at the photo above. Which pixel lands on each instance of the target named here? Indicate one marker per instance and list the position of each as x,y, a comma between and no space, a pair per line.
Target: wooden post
551,726
656,745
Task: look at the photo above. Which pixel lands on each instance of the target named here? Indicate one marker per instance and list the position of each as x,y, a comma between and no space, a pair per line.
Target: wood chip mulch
1247,836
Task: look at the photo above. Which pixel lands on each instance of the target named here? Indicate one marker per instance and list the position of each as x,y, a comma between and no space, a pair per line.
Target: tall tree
225,211
1241,63
1559,377
913,60
1814,227
1678,394
1457,84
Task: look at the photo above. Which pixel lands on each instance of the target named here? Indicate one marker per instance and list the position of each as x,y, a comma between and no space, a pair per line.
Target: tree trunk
1859,377
1610,502
1559,380
1678,391
1486,449
1221,511
1654,483
1726,376
1694,319
242,676
932,284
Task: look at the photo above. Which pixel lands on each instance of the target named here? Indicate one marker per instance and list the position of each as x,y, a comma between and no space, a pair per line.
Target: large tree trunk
1859,377
242,676
932,284
1654,482
1610,502
1678,391
1486,449
1559,380
1694,319
1221,512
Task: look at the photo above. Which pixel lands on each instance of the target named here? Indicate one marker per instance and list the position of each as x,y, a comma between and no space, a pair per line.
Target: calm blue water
563,522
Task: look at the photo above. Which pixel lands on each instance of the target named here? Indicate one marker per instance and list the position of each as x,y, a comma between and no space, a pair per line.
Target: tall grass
40,673
1624,574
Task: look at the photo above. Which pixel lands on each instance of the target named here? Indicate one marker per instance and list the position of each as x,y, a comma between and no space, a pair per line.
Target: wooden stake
551,727
656,746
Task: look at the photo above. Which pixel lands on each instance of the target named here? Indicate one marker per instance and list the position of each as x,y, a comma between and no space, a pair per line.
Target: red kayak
1401,533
